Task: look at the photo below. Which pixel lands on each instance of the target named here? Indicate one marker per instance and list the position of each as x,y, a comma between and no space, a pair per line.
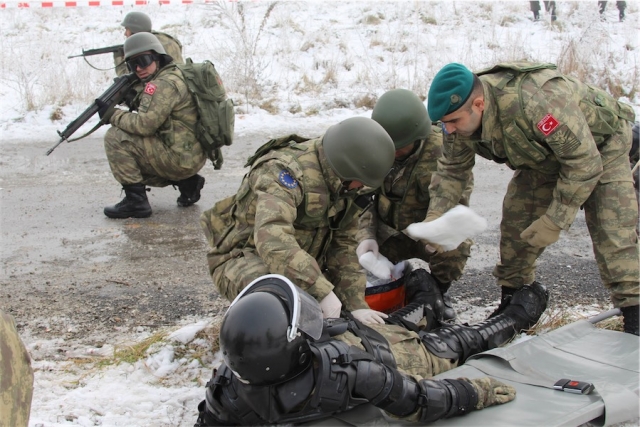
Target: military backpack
216,117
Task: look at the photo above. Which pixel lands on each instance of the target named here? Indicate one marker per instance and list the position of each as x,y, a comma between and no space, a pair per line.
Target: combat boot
631,319
189,190
448,313
505,299
421,287
414,316
134,205
459,342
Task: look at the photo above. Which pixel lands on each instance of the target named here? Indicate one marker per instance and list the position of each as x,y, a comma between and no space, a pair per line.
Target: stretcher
596,374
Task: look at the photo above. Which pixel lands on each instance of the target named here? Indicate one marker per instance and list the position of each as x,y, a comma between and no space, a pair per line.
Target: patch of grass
56,114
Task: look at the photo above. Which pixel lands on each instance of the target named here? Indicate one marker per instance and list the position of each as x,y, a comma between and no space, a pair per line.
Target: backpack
216,117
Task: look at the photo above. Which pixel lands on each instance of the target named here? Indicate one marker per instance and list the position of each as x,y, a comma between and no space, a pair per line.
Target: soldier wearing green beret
296,213
568,143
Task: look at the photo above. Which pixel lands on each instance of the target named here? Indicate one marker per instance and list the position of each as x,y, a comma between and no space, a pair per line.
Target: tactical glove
541,233
492,392
366,315
330,306
106,111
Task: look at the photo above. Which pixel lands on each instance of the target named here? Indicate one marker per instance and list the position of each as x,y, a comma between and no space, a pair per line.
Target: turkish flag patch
548,124
150,89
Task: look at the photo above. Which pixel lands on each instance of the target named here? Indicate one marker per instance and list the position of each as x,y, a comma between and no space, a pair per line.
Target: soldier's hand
106,111
433,248
541,233
368,316
491,392
330,306
367,245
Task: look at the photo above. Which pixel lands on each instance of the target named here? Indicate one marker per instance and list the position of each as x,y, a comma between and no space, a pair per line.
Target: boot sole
143,214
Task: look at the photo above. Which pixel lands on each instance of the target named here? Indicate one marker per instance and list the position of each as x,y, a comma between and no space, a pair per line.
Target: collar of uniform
333,181
489,115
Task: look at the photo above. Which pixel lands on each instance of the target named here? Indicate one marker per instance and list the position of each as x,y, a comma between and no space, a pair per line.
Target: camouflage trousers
241,268
611,213
146,160
16,376
445,267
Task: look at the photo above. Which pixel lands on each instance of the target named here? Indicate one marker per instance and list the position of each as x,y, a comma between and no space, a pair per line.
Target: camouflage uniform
16,376
171,45
402,200
568,143
157,144
289,217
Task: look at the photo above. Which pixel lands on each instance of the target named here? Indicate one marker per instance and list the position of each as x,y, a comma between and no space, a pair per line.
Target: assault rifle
111,97
99,51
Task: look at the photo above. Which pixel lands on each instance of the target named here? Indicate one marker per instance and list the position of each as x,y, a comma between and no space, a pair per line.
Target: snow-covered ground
286,62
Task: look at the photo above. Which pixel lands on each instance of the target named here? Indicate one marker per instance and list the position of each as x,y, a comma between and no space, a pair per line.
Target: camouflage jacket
164,108
536,118
403,198
171,45
290,210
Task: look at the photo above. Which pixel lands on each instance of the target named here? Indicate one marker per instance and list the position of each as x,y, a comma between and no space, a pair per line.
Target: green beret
449,90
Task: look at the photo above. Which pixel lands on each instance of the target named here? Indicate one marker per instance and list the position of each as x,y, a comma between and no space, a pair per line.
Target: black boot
631,319
134,205
190,190
505,299
411,315
422,287
448,313
459,342
536,16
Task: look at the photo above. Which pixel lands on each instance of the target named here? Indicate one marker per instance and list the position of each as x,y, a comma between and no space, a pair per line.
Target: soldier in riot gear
296,213
403,198
284,364
154,144
138,22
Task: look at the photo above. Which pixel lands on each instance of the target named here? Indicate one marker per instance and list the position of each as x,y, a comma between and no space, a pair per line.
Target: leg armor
459,342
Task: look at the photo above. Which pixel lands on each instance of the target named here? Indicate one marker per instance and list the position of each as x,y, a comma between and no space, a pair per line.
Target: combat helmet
403,116
359,149
137,22
142,42
264,333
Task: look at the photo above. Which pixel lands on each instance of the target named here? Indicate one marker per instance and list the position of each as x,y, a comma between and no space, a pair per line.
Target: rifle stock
98,51
111,97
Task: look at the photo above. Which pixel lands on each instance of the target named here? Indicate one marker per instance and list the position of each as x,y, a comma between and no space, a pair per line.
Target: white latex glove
330,306
366,315
451,229
379,265
367,245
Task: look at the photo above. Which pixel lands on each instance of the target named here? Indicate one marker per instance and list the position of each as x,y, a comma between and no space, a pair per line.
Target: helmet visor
305,313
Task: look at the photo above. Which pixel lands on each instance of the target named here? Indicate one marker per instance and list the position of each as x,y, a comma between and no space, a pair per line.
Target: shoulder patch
548,124
285,178
150,89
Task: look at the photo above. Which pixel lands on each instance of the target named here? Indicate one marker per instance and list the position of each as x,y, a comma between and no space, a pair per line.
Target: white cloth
378,265
366,315
331,306
451,229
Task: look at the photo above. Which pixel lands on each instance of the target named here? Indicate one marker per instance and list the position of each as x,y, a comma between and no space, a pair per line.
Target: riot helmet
359,149
142,42
264,333
403,116
137,22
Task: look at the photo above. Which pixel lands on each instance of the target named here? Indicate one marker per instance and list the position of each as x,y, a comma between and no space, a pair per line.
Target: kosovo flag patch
286,179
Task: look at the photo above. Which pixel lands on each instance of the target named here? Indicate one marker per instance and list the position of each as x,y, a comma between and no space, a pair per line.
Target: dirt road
70,273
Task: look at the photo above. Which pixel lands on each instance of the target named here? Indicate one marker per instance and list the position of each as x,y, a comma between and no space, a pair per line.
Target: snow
313,64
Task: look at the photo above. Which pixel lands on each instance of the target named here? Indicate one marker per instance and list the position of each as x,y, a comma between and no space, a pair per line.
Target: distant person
296,213
138,22
535,8
285,365
156,144
550,7
16,376
568,143
621,5
403,198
